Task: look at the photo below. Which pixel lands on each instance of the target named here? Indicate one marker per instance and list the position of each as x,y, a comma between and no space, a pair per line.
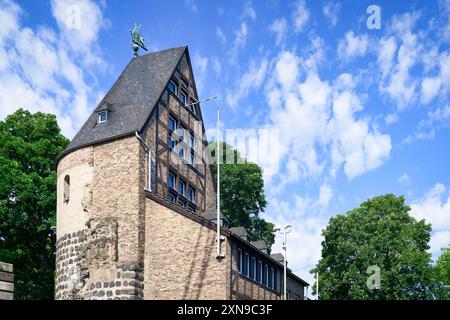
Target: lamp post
284,230
218,239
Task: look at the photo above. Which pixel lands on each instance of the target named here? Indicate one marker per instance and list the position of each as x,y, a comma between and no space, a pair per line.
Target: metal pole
218,184
285,264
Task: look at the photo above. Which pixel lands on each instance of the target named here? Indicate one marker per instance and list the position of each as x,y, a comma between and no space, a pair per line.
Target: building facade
134,196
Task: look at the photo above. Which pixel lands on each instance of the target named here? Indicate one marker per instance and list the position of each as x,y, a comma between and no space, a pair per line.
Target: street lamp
284,230
218,239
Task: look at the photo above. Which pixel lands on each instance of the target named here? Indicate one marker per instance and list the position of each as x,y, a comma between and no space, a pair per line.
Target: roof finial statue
137,40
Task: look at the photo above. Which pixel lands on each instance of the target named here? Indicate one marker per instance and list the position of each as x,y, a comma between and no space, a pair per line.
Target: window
184,84
102,116
265,274
171,181
191,195
182,187
183,97
258,272
239,261
274,281
180,133
66,189
182,202
181,152
172,86
245,271
172,123
171,197
192,107
171,143
192,160
271,275
252,268
192,141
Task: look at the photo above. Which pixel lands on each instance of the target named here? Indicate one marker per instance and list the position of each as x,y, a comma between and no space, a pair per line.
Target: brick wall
180,257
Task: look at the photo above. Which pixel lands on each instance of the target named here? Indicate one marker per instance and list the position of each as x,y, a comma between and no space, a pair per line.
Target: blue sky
360,112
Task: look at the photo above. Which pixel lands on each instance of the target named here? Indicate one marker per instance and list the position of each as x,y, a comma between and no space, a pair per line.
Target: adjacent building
136,200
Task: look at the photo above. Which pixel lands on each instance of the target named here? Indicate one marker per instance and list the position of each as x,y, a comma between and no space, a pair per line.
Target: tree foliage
442,273
29,144
242,193
379,232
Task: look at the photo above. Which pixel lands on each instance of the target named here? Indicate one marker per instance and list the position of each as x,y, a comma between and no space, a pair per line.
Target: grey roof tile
131,99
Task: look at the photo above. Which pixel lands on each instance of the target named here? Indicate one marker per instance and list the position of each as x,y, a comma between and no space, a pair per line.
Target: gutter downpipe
149,150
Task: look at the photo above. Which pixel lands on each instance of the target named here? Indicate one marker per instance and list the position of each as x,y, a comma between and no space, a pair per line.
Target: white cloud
436,120
200,63
396,64
331,11
252,79
439,240
249,11
279,27
326,194
352,46
404,180
301,16
391,118
80,22
42,71
318,121
431,86
304,241
221,35
434,208
191,5
386,54
240,39
217,66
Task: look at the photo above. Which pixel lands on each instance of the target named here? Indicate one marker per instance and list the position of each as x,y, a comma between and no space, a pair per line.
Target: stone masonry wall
100,231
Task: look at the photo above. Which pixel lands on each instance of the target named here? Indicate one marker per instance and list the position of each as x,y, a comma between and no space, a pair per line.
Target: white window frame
100,114
192,141
185,97
175,121
176,87
247,260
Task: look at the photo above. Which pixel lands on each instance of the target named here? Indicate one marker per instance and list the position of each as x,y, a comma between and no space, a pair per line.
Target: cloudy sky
359,111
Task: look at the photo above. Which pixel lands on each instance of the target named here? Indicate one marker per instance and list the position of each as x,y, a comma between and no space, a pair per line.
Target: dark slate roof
277,257
260,245
131,99
239,231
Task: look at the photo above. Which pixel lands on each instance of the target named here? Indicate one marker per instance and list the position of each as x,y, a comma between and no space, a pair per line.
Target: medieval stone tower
117,177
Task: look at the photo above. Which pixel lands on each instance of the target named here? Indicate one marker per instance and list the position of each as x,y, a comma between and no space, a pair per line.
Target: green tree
442,272
242,193
380,232
29,144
